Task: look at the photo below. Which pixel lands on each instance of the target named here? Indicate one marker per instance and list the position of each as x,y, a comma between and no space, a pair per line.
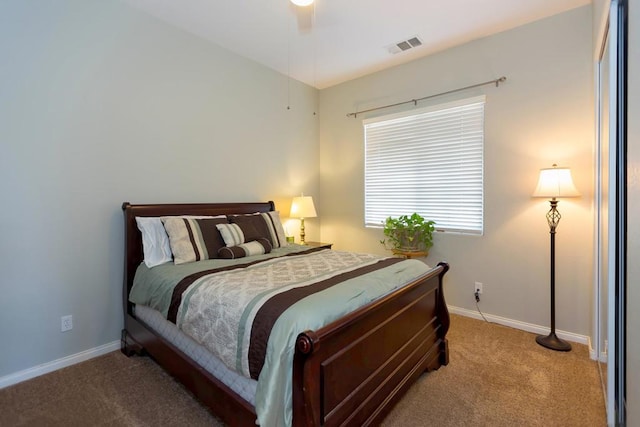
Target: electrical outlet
477,287
66,323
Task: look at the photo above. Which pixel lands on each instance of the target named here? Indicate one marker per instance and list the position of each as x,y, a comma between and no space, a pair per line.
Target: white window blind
428,161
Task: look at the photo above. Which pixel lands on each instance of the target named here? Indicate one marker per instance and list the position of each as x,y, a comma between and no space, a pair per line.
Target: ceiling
338,40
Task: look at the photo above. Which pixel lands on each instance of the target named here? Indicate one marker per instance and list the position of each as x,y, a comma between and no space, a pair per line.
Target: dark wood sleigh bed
350,372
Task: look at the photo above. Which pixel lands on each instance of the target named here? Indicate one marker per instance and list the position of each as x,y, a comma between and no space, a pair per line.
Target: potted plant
408,233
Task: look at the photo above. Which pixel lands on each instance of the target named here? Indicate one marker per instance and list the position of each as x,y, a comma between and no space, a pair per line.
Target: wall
101,104
633,230
542,115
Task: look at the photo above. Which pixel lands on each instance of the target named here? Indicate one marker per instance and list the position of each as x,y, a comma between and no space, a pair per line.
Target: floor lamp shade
554,183
302,207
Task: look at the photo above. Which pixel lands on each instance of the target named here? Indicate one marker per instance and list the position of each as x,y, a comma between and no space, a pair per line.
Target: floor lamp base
553,342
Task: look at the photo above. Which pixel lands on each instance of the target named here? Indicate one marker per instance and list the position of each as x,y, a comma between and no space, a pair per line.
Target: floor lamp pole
552,341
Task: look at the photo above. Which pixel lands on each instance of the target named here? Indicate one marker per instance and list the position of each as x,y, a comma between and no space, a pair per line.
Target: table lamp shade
302,207
555,182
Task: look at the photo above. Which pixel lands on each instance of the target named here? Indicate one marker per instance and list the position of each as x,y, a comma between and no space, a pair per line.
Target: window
428,161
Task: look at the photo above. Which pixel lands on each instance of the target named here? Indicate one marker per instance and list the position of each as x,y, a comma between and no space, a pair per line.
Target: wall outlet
66,323
477,287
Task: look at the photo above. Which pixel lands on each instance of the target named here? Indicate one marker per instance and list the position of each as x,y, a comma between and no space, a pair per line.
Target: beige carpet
497,376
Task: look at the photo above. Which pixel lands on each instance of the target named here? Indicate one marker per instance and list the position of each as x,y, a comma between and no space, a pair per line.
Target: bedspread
232,312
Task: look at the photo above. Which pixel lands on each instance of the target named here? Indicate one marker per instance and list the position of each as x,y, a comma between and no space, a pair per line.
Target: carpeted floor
497,376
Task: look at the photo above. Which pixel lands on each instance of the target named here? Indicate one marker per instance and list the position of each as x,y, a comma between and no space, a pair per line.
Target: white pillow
155,241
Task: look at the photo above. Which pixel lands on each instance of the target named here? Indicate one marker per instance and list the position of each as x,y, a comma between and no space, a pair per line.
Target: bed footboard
352,371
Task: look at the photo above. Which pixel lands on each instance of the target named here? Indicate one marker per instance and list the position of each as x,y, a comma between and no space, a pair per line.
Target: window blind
429,161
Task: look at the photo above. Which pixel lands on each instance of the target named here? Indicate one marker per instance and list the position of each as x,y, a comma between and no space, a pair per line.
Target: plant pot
408,243
410,254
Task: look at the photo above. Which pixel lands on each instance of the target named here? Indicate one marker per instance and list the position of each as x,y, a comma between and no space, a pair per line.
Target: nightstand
319,245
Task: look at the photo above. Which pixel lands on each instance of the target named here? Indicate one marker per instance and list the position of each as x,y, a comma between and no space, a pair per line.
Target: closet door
615,55
611,209
603,248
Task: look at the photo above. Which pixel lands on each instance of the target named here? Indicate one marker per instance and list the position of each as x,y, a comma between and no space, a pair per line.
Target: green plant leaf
408,231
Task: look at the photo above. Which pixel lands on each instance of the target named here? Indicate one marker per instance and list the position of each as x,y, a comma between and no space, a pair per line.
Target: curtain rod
415,101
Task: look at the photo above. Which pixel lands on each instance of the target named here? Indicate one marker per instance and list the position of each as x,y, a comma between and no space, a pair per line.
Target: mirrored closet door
610,328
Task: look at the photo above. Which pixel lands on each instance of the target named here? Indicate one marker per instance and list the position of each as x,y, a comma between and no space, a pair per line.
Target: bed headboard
133,254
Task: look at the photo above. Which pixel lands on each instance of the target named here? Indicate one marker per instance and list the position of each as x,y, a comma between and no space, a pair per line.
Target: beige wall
101,104
543,114
633,215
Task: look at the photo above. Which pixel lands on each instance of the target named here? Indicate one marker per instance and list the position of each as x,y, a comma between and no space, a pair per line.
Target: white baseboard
54,365
45,368
593,355
603,356
529,327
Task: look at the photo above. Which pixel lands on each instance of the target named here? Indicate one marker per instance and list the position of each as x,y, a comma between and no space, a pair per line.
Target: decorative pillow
155,242
278,237
256,247
232,234
265,225
193,239
253,226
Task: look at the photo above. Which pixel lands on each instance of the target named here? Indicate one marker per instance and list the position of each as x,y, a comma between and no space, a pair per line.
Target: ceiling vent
404,45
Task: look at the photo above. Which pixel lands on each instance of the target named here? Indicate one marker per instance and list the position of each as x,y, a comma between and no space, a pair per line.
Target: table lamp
302,207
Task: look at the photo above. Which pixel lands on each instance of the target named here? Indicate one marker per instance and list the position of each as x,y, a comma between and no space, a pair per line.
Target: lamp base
302,235
552,342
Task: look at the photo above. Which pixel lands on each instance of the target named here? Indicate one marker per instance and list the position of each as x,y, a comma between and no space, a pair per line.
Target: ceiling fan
305,13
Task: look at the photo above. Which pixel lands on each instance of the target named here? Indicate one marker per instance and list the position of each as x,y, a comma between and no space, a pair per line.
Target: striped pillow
193,239
256,247
232,234
266,225
276,230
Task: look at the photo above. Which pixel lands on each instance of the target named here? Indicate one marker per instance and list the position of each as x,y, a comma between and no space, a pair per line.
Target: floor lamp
554,183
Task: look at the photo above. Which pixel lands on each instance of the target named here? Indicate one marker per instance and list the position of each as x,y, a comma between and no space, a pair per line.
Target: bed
350,371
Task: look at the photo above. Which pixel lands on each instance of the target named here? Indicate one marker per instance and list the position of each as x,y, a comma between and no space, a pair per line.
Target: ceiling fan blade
304,16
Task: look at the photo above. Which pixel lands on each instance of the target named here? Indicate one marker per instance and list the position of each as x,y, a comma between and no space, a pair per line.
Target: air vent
404,45
414,42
